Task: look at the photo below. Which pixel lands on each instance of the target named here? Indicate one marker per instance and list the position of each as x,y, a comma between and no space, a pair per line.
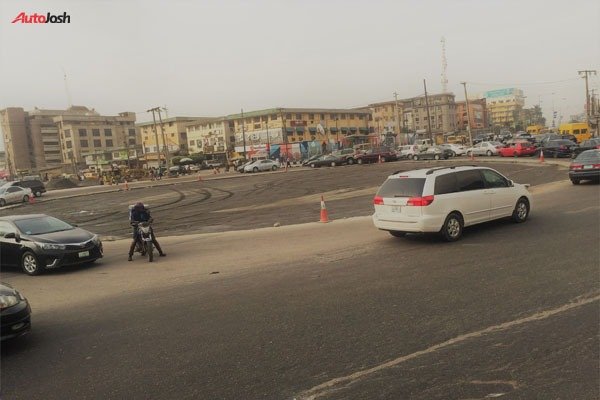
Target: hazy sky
211,58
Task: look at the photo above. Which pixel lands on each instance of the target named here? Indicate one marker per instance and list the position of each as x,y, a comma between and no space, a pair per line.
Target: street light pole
268,141
468,113
243,133
428,116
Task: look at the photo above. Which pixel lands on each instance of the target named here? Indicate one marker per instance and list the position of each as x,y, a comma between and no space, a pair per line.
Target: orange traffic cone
541,156
32,199
379,159
324,217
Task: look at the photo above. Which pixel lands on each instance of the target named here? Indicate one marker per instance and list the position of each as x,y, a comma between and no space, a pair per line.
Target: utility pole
428,116
244,133
268,140
397,113
152,110
165,143
468,113
587,73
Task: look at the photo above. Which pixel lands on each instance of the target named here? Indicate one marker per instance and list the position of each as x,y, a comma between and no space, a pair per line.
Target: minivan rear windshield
402,187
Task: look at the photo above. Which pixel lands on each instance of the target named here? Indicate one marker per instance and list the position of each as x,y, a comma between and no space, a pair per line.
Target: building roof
282,110
174,119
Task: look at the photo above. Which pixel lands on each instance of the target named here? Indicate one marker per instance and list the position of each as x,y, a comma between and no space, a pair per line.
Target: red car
518,149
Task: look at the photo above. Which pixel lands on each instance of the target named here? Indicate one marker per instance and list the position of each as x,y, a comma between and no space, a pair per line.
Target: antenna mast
444,66
67,89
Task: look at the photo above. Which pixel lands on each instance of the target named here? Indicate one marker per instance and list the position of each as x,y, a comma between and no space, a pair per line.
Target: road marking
330,386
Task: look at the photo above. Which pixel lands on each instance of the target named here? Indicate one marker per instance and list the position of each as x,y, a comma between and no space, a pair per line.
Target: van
580,130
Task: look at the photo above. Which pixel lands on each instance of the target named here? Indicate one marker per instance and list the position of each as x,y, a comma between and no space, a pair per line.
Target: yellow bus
534,129
580,130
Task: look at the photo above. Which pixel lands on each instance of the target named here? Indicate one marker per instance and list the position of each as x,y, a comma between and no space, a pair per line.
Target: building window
95,132
288,116
83,143
97,143
351,116
322,117
67,133
172,135
69,145
82,133
131,141
298,116
311,116
274,117
132,132
333,116
109,143
108,132
342,116
191,142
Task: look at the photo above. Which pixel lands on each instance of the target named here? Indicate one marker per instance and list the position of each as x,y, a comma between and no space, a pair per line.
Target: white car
485,149
456,149
408,151
447,199
14,194
261,165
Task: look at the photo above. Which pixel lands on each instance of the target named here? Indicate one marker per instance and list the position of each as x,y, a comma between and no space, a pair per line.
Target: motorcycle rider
139,213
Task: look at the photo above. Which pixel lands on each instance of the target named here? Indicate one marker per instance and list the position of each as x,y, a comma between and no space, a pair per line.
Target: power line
522,83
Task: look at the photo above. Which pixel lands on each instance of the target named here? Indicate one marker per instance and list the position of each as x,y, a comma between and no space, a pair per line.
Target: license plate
588,167
396,209
84,254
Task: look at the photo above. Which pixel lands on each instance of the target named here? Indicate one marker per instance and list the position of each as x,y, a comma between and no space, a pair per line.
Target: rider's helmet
138,206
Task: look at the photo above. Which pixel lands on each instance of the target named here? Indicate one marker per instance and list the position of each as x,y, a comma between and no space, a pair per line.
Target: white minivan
447,199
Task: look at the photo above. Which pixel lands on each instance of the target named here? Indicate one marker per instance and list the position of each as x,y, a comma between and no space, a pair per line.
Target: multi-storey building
211,137
442,114
90,133
504,106
293,131
477,112
171,134
387,117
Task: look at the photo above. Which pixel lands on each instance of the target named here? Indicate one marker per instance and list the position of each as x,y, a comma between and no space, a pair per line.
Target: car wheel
350,161
333,164
575,181
38,194
397,233
359,161
489,153
521,211
25,199
30,264
453,154
255,169
274,168
453,227
416,157
2,202
469,153
436,157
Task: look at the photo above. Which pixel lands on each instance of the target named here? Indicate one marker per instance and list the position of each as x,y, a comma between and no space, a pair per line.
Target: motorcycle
144,243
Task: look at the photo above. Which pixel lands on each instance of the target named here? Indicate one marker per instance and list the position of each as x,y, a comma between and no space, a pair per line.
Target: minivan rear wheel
453,227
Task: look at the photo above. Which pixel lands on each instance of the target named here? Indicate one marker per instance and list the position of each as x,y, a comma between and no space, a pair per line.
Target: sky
213,58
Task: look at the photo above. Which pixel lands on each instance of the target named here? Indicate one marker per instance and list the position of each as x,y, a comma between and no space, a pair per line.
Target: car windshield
41,225
402,187
589,156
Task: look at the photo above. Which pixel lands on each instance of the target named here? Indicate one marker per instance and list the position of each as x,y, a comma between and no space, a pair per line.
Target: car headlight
96,239
8,301
51,246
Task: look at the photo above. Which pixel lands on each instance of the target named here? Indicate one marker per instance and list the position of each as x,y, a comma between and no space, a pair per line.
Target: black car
37,242
15,313
589,144
433,153
36,186
557,148
326,160
585,166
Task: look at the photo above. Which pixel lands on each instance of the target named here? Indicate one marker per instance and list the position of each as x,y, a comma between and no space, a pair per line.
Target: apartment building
171,134
504,105
211,137
477,112
88,133
387,117
442,113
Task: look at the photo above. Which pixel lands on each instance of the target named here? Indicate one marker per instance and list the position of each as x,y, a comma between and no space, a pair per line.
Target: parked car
262,165
377,154
455,149
407,151
37,186
447,199
37,242
586,145
347,155
211,164
517,149
482,137
585,166
311,159
15,313
327,160
485,149
242,166
557,148
14,194
433,153
502,137
572,138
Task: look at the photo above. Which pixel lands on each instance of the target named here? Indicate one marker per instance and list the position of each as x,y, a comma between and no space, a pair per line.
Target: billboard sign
499,93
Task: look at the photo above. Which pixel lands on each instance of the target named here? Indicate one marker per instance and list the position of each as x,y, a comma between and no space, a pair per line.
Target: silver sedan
485,149
14,194
261,165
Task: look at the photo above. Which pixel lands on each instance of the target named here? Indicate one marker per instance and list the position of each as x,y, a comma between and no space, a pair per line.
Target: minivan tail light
378,200
576,166
420,201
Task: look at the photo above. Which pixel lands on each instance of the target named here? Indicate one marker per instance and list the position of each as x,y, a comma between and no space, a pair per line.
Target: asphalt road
333,311
247,201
